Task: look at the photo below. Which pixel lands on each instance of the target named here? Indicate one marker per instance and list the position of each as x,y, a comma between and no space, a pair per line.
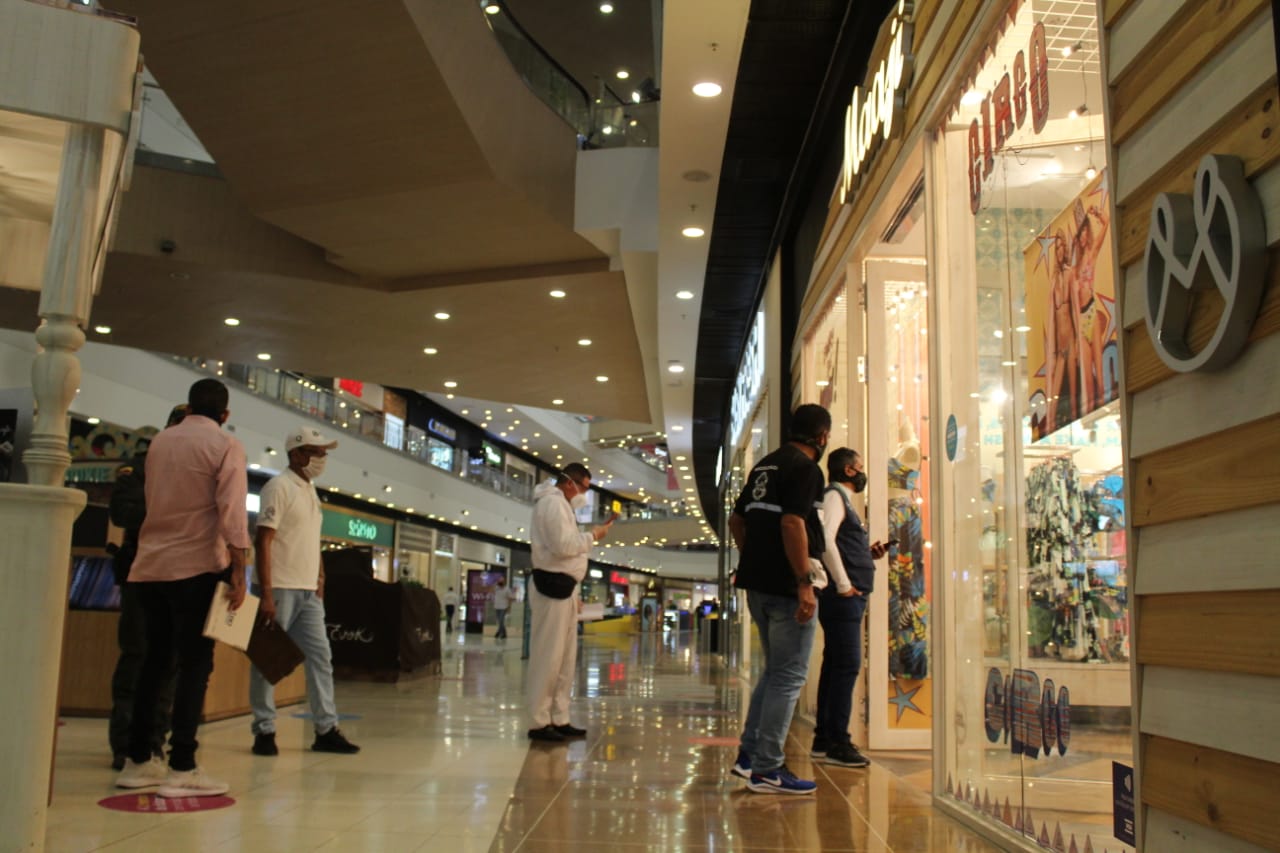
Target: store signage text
1214,240
354,387
339,525
492,455
442,429
1029,718
750,379
869,120
339,634
1005,109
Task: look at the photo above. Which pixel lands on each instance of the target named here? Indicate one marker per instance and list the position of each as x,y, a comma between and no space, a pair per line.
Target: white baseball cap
307,436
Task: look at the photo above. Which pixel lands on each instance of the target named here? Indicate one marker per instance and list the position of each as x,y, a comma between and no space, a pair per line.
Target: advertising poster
1072,354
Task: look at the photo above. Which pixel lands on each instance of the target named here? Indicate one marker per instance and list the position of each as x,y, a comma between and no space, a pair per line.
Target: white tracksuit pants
553,654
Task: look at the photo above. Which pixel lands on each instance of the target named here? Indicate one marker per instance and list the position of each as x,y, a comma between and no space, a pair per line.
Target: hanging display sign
492,455
442,429
1020,93
870,117
746,391
354,528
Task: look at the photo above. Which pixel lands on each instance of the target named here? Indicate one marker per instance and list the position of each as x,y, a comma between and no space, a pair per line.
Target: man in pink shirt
196,527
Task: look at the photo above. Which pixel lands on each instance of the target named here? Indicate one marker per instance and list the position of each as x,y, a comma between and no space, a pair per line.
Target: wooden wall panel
1113,9
1188,556
1228,792
1235,631
1222,710
1168,833
1180,50
1250,131
1135,33
1221,472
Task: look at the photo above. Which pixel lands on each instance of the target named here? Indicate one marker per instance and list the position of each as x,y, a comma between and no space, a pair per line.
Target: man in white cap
291,582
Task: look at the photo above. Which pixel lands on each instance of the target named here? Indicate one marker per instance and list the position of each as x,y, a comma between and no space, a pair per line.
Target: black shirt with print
786,482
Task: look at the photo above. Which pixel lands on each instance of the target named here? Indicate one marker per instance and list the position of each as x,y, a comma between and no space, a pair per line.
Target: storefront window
1031,514
827,354
440,454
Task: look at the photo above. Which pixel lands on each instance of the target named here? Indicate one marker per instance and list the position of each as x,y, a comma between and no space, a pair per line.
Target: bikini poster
1072,352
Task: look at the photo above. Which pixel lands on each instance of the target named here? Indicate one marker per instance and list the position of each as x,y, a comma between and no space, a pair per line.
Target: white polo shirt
291,508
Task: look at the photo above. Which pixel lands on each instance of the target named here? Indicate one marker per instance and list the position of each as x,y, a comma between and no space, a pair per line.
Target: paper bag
225,625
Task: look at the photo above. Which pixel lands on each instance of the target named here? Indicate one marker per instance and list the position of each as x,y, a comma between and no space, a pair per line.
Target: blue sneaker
780,781
742,767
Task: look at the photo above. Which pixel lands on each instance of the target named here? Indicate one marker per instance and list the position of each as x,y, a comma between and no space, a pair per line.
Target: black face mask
859,481
821,448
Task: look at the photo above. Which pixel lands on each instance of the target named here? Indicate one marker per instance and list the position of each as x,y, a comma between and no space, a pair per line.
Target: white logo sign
869,118
750,379
1215,240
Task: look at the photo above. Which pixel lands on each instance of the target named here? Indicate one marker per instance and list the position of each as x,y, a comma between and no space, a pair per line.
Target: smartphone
891,543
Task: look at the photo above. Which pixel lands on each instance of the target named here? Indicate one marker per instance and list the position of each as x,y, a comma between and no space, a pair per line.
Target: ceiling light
675,368
430,350
684,294
707,89
602,378
102,330
1023,329
1091,173
635,97
442,315
623,74
972,98
693,231
607,130
823,383
584,342
492,9
449,383
606,8
232,321
557,294
677,428
264,356
94,420
557,402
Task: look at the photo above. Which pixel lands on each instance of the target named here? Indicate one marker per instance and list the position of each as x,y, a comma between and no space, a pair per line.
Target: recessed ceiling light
677,428
254,466
492,9
557,294
450,384
264,356
602,378
675,368
684,294
232,321
584,342
430,350
693,231
707,89
623,74
606,8
442,315
557,402
94,420
102,330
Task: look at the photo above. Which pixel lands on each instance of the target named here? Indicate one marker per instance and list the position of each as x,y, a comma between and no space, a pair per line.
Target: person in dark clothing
775,526
848,560
128,509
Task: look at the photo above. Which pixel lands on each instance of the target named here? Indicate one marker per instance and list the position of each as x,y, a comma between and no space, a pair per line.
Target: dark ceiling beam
800,62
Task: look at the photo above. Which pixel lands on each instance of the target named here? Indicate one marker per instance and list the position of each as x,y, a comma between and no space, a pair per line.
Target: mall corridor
446,767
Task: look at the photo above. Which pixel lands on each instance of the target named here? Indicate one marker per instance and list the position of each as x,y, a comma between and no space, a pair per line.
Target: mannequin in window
908,609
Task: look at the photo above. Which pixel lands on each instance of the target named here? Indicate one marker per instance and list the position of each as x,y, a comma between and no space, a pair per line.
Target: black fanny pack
553,584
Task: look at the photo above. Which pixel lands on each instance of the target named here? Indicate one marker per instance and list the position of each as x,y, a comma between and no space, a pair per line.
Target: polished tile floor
446,766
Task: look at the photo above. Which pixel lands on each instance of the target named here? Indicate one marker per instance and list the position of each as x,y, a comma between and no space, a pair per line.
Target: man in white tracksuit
560,562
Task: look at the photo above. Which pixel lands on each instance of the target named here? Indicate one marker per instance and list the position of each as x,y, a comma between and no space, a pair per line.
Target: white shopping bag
225,625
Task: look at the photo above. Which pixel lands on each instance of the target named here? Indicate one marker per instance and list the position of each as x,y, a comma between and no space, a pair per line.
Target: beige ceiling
382,162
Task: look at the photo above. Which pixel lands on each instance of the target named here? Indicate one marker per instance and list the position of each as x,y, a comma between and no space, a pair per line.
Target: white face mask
315,467
578,501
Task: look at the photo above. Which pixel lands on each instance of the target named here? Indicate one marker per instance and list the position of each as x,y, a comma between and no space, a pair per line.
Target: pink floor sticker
152,804
715,741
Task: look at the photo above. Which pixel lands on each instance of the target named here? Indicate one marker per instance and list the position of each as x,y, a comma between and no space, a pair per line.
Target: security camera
168,246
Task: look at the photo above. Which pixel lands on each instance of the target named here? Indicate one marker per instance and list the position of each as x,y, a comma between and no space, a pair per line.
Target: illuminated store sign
352,528
869,120
492,455
746,391
442,429
1005,108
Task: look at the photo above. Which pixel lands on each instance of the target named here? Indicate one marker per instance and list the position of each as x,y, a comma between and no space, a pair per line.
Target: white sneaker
192,783
146,775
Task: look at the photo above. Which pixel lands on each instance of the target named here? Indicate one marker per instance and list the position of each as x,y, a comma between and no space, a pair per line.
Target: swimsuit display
908,607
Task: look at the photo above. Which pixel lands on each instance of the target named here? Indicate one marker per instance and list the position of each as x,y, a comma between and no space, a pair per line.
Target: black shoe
548,733
568,730
333,741
117,761
845,756
265,744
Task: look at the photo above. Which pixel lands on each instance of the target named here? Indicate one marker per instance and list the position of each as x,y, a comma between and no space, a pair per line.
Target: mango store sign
746,391
870,118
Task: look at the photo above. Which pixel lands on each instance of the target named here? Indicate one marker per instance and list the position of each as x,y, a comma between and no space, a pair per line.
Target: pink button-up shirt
196,487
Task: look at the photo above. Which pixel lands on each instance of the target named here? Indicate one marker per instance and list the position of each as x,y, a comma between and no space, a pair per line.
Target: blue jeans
841,620
300,612
786,644
502,623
